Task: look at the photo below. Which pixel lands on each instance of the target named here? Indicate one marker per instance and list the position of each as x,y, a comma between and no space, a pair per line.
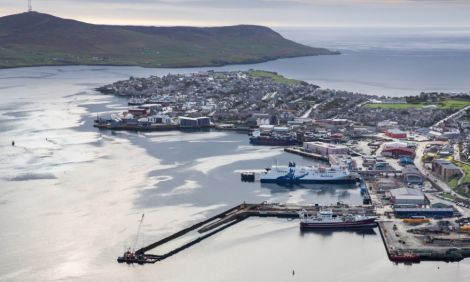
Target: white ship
327,219
292,175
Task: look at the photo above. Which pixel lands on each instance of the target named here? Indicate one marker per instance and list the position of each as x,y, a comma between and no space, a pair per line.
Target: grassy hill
33,39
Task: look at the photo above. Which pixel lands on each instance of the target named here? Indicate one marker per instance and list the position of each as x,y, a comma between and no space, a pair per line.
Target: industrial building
426,212
411,175
200,122
397,152
407,197
395,133
325,149
445,169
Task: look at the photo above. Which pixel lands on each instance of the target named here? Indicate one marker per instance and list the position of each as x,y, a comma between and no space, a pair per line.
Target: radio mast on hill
30,6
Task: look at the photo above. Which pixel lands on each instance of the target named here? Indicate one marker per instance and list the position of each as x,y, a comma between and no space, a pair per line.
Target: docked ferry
292,175
327,219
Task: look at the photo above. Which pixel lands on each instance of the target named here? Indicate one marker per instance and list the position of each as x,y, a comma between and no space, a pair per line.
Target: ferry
325,219
292,175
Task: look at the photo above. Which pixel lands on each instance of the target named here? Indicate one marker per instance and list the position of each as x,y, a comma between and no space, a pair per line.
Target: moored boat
405,257
292,175
326,219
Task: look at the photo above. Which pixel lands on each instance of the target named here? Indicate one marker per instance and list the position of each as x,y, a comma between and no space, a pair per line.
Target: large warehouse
325,149
407,197
431,212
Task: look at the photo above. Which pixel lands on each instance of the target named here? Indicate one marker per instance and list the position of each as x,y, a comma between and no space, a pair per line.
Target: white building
407,197
325,149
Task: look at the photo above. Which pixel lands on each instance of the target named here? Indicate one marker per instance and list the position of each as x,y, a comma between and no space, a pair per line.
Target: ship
405,257
274,139
310,174
134,101
326,219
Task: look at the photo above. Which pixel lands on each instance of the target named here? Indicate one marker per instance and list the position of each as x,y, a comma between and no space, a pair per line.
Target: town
412,153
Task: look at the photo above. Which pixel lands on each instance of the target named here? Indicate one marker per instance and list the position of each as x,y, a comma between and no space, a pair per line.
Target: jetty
206,228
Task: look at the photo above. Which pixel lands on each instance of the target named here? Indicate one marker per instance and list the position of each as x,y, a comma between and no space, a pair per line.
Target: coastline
247,62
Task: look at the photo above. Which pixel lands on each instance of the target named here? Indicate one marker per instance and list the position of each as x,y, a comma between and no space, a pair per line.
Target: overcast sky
274,13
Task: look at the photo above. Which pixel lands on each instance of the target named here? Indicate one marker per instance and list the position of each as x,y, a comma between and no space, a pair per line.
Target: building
200,122
325,149
426,212
395,133
397,152
407,197
445,169
411,175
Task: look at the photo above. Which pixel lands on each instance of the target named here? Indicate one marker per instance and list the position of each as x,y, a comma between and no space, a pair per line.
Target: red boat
405,257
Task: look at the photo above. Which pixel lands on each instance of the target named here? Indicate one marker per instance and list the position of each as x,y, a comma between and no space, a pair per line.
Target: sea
72,196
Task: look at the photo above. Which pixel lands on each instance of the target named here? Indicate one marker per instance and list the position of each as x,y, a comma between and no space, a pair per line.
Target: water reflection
329,232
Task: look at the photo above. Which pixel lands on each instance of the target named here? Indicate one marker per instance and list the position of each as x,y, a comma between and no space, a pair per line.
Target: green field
394,106
460,189
274,76
447,104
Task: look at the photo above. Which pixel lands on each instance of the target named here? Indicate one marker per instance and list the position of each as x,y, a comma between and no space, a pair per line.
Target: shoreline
248,62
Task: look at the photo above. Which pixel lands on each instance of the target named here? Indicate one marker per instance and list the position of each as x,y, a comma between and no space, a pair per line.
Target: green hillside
33,39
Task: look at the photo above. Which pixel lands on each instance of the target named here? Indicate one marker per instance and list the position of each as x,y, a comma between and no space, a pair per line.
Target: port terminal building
325,149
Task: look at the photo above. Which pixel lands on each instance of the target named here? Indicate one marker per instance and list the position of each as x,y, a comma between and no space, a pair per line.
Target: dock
232,216
299,151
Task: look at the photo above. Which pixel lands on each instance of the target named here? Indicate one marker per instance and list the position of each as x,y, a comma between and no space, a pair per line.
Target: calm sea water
71,196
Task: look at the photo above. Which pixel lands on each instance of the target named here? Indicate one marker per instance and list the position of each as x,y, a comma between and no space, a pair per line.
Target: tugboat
130,256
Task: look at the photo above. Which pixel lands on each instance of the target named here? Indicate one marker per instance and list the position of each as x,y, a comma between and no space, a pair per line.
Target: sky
274,13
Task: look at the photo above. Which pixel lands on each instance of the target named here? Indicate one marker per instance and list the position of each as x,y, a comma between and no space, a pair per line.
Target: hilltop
34,39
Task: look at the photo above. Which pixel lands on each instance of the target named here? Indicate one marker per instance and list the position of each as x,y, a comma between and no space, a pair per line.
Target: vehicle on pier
326,219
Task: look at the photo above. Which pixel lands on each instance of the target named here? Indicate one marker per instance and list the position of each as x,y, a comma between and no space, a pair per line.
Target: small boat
130,257
405,257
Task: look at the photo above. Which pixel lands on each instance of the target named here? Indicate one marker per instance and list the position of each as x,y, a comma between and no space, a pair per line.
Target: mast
30,6
138,232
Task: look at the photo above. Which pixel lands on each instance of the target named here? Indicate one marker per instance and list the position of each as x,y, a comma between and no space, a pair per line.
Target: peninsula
37,39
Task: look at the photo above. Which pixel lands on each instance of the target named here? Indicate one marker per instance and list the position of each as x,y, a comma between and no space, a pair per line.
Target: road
451,116
437,182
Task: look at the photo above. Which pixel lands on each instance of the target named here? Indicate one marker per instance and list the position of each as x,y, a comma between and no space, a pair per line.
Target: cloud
274,13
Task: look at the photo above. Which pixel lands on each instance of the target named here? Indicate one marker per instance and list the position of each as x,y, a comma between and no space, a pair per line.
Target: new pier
221,221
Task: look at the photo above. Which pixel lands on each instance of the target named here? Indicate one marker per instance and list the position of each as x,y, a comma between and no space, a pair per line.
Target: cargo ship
325,219
292,175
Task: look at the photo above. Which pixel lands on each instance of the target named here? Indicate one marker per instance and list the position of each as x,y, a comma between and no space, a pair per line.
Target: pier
206,228
299,151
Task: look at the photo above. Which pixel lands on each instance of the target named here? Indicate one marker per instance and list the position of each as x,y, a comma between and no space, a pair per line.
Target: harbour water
71,196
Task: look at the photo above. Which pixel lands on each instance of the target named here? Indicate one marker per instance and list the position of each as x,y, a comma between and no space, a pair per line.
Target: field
466,180
453,104
274,76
